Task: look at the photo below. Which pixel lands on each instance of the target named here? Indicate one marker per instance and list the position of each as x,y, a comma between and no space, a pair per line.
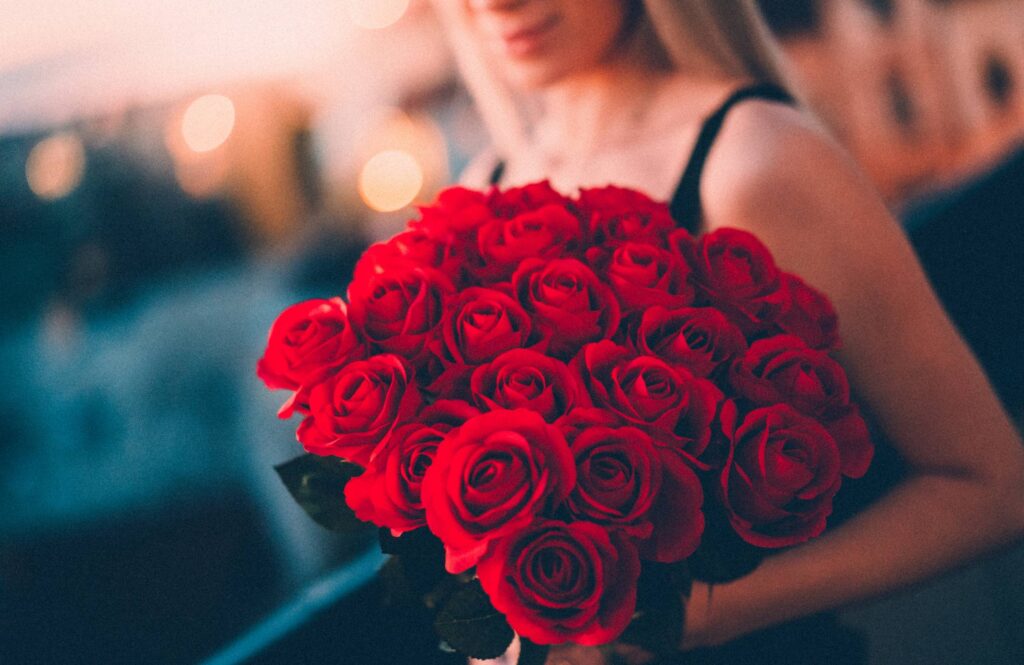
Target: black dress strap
496,173
685,203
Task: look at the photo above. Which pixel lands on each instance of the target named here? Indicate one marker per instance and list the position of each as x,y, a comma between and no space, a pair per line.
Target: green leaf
318,485
657,625
469,623
531,653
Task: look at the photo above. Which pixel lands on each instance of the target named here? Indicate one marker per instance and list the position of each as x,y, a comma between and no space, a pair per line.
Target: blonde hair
728,37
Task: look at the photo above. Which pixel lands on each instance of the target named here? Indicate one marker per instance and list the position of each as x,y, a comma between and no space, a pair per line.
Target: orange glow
207,122
376,14
55,166
390,180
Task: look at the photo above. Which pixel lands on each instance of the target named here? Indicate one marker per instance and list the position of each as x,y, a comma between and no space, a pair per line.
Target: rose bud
399,309
307,342
784,369
524,379
737,272
558,582
616,215
699,338
355,411
624,481
809,315
570,305
388,492
781,475
669,403
490,478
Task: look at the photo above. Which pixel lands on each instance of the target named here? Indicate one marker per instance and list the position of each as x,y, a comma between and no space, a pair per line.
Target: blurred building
925,93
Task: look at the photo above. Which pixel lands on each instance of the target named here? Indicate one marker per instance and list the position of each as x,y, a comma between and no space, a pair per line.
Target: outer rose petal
677,517
551,609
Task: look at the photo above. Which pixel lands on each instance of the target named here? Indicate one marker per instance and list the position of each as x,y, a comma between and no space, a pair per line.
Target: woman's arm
776,174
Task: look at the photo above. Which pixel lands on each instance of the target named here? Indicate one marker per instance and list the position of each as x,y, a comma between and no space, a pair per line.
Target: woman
617,91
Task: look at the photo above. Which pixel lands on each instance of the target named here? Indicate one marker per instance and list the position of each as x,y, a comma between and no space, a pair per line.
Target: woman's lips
524,41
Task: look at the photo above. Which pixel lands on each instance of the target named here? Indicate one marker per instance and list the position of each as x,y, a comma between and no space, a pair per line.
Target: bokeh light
390,180
207,122
376,14
55,166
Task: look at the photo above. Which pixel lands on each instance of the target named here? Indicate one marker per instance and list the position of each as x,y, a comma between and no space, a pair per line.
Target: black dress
814,640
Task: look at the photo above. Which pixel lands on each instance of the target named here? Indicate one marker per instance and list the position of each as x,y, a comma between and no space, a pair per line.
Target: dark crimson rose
558,582
780,477
491,478
524,379
682,245
570,305
625,482
400,308
643,275
737,272
446,414
307,342
698,338
481,324
784,369
809,315
616,215
583,418
355,411
670,403
388,492
416,246
544,233
457,210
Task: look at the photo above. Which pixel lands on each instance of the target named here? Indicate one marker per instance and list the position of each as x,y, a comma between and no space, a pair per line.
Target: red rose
417,246
582,418
400,308
780,477
558,582
457,210
388,492
446,414
739,275
511,202
544,233
625,482
643,275
698,338
307,342
490,478
615,214
784,369
481,324
809,315
571,306
355,410
524,379
674,406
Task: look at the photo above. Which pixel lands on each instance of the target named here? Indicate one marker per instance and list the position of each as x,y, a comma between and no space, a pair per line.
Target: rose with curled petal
416,246
558,582
670,403
481,324
354,411
388,492
525,379
700,339
783,369
781,475
626,482
457,210
738,274
502,244
644,275
615,214
809,315
490,478
569,304
400,309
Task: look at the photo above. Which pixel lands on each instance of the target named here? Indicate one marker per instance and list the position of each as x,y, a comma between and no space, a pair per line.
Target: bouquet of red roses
566,409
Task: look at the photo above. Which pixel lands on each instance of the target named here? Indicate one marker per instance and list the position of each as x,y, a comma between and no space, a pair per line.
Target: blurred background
173,174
